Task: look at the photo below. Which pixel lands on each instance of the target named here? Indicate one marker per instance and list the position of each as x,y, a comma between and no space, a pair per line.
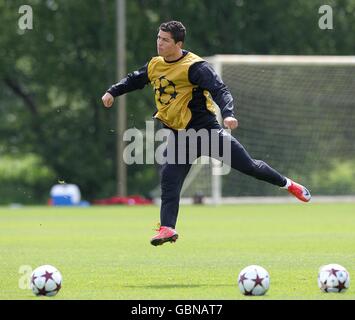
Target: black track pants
174,173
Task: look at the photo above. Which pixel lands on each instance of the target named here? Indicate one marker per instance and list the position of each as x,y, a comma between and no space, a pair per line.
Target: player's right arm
135,80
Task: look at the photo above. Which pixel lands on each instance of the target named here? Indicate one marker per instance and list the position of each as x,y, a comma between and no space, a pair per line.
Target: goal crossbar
280,59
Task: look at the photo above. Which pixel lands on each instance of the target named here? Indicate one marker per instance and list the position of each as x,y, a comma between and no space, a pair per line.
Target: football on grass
333,278
46,280
253,281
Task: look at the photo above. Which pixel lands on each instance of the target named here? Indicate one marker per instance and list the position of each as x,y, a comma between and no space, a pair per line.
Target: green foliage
337,178
24,179
53,76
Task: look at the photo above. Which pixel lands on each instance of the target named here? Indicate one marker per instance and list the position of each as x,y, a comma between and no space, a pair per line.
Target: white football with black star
333,278
253,281
46,280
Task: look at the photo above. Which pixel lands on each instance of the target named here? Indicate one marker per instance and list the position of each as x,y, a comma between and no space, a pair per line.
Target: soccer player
184,86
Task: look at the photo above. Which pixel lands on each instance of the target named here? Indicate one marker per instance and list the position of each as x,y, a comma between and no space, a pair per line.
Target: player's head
170,39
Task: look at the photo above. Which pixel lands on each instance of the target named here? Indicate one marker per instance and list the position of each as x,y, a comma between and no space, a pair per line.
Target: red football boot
299,191
165,234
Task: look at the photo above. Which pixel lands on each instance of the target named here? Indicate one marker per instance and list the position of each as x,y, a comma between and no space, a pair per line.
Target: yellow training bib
174,91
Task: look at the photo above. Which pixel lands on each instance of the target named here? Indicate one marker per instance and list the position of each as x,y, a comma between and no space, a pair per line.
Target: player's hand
230,123
107,100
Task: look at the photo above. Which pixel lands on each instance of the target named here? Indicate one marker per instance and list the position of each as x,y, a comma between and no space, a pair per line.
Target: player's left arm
202,74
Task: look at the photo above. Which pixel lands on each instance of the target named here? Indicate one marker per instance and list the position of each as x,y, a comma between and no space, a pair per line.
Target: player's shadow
171,286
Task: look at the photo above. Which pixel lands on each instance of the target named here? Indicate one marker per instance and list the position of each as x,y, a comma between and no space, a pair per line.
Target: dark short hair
176,28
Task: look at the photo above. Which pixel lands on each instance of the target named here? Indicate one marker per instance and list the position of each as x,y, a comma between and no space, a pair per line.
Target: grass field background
104,252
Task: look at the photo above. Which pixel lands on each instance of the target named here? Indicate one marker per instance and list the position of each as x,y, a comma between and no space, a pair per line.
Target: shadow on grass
172,286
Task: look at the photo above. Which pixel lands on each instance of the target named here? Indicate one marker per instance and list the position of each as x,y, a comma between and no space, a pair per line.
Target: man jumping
185,87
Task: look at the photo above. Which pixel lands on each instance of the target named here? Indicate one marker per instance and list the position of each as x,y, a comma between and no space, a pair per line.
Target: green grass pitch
104,252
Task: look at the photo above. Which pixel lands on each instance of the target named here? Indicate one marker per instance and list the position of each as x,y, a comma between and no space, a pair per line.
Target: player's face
166,45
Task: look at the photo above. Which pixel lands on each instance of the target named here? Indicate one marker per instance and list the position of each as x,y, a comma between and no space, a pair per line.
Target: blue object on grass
62,201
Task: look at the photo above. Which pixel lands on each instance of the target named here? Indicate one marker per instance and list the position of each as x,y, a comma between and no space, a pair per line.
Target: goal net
297,113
